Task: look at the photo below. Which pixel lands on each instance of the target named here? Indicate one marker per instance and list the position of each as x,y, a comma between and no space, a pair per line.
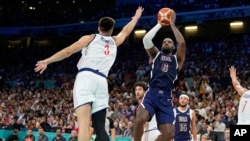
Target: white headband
185,96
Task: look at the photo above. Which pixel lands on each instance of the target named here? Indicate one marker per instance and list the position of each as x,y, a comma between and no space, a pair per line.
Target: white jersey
244,109
151,131
99,55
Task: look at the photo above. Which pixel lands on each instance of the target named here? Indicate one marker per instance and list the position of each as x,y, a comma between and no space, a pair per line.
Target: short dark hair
141,84
106,24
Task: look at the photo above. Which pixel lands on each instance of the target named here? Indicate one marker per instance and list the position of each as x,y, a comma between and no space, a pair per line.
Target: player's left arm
127,29
181,48
193,125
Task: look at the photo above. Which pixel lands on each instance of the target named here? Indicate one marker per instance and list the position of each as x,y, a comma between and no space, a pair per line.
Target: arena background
31,30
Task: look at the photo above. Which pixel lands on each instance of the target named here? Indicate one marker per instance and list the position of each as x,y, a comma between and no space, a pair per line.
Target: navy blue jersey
182,125
164,70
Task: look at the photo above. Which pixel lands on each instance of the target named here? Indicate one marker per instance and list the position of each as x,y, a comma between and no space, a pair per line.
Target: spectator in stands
59,136
204,81
14,136
226,135
210,131
204,137
140,72
229,120
109,111
118,130
73,136
210,118
2,122
219,127
15,124
71,126
44,124
201,119
128,132
203,130
29,136
41,135
116,114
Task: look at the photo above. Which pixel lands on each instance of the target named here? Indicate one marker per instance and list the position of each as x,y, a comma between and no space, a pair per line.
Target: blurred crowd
205,78
75,13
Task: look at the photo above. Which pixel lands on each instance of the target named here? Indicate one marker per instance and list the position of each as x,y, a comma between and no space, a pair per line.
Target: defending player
244,106
151,130
90,93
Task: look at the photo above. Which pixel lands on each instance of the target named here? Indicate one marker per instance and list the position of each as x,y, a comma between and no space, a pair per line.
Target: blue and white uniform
183,124
91,84
158,99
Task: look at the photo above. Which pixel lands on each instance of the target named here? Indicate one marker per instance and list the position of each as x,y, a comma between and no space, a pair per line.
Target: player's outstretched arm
41,66
127,29
181,49
236,84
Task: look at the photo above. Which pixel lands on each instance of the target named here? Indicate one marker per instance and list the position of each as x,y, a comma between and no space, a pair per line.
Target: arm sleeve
147,40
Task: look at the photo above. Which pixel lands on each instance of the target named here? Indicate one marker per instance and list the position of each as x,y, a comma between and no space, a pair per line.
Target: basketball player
185,121
165,66
151,131
244,106
90,88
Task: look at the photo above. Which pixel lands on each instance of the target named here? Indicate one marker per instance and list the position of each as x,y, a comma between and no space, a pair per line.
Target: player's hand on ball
172,17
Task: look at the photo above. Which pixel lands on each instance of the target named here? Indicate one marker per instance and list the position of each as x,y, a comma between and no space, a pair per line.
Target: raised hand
172,17
41,66
232,71
138,12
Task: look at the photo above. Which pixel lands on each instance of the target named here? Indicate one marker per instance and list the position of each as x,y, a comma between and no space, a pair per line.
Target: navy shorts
159,102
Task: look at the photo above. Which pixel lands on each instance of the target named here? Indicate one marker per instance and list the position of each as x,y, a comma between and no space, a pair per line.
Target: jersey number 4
107,49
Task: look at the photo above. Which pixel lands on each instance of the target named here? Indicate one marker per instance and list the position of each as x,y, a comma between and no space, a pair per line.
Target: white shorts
150,135
90,88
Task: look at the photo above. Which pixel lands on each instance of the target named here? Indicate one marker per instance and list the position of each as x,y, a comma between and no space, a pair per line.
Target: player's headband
185,96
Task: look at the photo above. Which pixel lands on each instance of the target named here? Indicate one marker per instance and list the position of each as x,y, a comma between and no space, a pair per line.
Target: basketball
163,16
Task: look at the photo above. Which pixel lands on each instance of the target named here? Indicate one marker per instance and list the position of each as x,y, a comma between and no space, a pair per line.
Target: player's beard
167,50
183,106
